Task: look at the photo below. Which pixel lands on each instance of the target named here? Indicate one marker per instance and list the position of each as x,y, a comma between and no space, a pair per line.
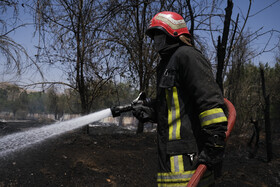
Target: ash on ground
114,155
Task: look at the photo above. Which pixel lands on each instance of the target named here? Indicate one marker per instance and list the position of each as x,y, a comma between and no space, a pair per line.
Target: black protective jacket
189,108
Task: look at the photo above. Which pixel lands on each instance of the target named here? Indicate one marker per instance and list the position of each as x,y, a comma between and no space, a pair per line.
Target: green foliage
113,95
71,101
3,99
36,102
245,92
18,101
272,76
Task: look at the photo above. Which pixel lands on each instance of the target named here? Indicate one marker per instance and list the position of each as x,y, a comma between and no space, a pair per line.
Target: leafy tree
273,87
36,102
22,105
244,92
52,101
114,95
13,98
73,103
23,100
3,99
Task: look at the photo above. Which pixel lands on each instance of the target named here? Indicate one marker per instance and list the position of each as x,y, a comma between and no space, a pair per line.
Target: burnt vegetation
107,60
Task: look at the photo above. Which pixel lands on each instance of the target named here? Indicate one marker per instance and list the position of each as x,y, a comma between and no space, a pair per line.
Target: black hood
165,44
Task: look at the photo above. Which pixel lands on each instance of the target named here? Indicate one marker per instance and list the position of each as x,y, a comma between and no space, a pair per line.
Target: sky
25,36
268,18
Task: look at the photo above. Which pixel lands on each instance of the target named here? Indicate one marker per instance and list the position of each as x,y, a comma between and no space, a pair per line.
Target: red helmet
169,22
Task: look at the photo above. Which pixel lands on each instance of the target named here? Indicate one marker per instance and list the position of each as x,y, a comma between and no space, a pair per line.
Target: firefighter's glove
144,113
213,150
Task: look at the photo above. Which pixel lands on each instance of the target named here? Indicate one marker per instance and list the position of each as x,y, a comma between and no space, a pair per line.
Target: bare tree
70,37
133,49
9,48
222,44
126,36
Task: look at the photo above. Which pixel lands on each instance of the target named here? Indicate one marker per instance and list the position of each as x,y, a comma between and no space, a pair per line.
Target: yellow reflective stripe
209,112
183,176
217,120
215,115
174,180
175,174
181,163
174,118
172,165
173,184
169,114
177,110
176,163
174,123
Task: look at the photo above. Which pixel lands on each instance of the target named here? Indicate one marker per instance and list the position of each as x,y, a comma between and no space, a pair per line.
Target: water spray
21,140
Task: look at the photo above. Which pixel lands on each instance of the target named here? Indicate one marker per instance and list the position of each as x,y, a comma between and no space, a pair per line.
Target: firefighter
189,106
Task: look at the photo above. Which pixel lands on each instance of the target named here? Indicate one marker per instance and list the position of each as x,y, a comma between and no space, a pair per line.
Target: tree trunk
80,37
268,129
253,146
266,118
192,19
221,48
140,128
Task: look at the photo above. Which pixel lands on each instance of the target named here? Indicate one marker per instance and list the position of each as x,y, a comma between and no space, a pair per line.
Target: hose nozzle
117,110
141,99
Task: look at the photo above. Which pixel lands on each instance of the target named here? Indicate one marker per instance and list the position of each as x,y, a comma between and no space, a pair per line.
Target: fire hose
201,169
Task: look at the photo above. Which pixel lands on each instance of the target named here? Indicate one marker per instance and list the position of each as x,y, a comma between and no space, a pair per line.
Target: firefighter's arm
213,137
208,104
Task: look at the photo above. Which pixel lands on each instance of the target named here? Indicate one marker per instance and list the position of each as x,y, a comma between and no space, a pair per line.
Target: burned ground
79,159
